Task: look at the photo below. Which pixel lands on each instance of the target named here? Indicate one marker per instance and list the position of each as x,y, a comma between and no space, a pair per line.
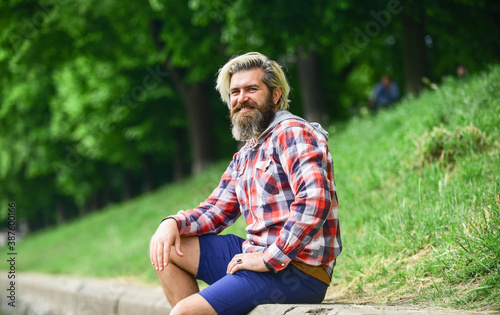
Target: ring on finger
239,261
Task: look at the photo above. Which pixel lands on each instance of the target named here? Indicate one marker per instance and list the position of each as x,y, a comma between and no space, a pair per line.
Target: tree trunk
201,131
414,49
106,196
179,155
314,101
127,188
91,203
148,171
61,213
196,99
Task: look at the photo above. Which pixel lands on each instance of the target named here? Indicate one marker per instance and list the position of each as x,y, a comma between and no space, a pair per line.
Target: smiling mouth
244,110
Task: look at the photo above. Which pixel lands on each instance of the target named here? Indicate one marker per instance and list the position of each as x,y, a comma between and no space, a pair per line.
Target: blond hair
274,77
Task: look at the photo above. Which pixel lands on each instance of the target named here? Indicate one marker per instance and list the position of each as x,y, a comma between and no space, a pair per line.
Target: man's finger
153,254
159,256
150,252
165,256
232,264
177,245
235,268
154,259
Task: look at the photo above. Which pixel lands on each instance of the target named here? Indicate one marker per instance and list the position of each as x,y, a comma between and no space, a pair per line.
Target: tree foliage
104,100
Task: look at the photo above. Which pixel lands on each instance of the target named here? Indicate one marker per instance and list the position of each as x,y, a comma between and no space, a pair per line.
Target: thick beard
250,125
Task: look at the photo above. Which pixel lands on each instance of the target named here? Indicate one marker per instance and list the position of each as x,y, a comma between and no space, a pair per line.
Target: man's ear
276,95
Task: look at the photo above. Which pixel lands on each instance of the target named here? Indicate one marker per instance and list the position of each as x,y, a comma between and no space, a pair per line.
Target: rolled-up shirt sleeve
218,211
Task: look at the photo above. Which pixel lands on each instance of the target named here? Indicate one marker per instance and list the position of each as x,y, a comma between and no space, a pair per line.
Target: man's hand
166,236
250,261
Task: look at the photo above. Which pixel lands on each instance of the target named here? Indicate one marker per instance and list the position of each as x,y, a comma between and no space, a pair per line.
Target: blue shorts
243,291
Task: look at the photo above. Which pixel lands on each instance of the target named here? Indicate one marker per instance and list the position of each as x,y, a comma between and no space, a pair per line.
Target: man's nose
242,97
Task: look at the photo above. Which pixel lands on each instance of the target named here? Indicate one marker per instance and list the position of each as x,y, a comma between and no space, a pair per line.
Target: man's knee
190,254
179,309
194,305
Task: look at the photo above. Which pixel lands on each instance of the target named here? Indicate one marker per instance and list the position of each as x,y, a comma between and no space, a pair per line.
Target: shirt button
283,265
252,242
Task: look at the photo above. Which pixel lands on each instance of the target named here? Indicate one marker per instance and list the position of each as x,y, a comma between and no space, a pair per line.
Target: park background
109,121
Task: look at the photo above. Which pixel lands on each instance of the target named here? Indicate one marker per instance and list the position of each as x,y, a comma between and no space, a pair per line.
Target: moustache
240,106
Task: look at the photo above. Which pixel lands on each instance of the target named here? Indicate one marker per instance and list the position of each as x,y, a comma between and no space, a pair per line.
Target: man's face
252,104
386,81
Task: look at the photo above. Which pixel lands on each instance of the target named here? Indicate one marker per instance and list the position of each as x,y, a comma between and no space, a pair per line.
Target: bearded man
282,182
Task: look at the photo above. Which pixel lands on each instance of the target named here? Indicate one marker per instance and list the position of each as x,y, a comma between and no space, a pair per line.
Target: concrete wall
44,294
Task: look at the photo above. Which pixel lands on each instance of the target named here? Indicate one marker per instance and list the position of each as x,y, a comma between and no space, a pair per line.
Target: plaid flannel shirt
283,185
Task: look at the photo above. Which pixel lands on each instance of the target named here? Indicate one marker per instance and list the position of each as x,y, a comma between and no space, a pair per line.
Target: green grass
419,192
114,242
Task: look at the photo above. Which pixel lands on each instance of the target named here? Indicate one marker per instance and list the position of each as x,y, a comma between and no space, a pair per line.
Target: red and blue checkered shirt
283,185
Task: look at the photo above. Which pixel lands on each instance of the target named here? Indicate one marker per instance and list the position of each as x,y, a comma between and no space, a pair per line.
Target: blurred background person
385,92
461,71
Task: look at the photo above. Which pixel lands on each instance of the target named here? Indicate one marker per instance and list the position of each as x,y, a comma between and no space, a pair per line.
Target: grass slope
419,191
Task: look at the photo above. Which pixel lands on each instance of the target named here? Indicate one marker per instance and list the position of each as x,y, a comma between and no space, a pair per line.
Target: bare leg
178,278
179,283
176,283
193,305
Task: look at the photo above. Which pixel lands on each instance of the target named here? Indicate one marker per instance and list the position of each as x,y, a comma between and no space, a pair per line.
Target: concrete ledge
65,295
348,309
45,294
136,300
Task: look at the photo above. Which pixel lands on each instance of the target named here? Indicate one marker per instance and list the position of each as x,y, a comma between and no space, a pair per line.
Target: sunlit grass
113,242
415,227
418,226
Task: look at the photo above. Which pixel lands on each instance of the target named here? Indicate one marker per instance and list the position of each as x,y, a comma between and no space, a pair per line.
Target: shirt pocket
264,179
